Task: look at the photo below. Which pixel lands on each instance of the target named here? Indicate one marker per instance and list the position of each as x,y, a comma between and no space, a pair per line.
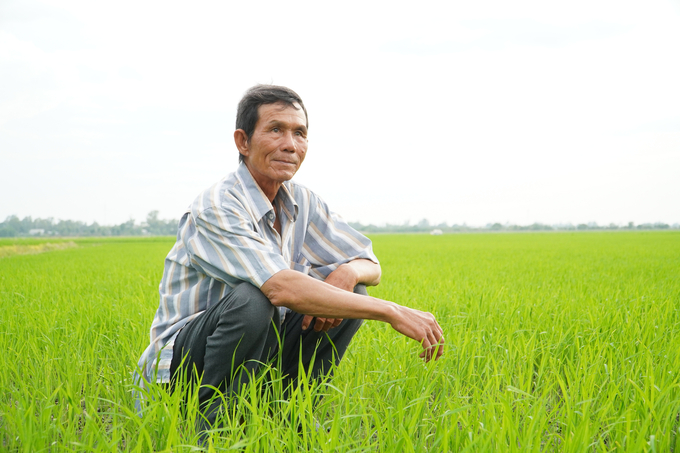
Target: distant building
36,232
436,232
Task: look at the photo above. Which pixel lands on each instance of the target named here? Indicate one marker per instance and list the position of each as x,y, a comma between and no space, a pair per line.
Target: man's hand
344,277
320,324
422,327
304,294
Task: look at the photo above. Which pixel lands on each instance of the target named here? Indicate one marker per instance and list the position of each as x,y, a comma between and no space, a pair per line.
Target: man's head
273,142
248,114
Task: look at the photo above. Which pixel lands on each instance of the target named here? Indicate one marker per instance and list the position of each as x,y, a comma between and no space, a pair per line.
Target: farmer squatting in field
258,256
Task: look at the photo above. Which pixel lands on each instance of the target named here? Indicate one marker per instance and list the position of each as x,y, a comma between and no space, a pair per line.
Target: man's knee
249,305
247,292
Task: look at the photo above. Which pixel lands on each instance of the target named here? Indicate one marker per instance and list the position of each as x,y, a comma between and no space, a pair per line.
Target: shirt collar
259,201
290,207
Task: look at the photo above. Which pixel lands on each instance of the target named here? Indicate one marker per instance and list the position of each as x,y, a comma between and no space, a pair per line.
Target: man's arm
346,277
309,296
349,275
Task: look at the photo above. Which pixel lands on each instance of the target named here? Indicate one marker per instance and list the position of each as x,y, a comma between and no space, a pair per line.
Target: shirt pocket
301,267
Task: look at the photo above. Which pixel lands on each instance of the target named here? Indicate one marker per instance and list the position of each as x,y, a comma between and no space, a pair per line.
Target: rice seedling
555,342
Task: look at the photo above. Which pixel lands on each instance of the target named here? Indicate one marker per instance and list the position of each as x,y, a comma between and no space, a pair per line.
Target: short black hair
248,108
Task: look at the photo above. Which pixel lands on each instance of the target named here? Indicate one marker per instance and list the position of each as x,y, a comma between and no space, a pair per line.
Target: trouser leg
318,352
226,345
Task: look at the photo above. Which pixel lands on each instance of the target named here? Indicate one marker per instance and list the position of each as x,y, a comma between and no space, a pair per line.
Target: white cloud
457,111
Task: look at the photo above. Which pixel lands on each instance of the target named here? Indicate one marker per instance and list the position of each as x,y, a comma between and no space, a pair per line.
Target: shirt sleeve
227,246
330,241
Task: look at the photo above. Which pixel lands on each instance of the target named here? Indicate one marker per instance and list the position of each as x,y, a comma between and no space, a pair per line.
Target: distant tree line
424,226
13,226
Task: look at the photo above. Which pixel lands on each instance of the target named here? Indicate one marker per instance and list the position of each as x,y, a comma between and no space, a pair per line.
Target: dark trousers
226,345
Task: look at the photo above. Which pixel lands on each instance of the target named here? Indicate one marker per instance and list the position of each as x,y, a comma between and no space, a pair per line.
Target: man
259,257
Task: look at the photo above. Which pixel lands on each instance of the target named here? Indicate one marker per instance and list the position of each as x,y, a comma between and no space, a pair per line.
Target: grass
558,342
32,249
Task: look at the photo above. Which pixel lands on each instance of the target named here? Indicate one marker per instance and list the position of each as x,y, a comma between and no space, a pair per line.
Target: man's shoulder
302,194
218,195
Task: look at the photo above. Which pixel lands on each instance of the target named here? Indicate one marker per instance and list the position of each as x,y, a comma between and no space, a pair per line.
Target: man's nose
289,142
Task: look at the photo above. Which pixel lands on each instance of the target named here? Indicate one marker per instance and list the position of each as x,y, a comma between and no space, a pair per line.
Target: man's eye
276,129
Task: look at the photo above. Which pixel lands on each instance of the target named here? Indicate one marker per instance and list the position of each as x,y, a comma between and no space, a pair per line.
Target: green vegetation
426,227
13,226
555,342
31,249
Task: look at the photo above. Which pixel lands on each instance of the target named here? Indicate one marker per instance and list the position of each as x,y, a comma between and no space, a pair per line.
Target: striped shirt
226,237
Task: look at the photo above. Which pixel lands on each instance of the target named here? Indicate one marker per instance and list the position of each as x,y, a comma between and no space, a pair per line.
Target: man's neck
269,187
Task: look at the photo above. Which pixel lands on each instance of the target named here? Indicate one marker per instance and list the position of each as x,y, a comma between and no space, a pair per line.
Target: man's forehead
280,107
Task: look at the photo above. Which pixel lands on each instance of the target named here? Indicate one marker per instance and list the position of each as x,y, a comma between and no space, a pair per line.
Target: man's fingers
320,324
324,324
437,349
328,325
306,321
440,350
427,349
439,331
440,347
433,346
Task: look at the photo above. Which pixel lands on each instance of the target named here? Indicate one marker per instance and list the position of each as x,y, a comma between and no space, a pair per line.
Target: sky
454,111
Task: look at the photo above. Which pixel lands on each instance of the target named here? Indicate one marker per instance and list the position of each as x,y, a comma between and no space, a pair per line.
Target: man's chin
286,175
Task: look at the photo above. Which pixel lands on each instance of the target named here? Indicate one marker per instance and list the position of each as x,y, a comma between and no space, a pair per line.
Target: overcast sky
476,112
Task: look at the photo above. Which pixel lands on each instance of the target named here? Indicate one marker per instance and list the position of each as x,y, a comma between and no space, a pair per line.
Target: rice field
556,342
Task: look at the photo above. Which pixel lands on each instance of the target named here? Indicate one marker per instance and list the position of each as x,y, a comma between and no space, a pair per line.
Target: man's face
278,145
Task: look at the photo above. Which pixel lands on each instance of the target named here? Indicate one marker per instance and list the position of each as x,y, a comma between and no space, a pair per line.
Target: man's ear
241,140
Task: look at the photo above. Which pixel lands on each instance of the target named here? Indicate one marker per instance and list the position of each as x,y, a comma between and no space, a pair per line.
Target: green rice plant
562,342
